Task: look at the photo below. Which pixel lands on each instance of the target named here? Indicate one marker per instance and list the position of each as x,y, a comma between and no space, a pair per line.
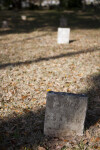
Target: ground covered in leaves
32,63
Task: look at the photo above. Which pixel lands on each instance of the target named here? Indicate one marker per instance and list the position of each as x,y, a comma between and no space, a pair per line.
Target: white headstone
23,17
63,35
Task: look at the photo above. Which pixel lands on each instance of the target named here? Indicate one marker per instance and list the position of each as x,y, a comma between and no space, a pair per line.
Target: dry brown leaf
92,139
14,84
44,103
30,85
96,147
85,141
36,90
67,84
26,110
88,134
80,75
34,99
97,139
16,111
24,97
66,140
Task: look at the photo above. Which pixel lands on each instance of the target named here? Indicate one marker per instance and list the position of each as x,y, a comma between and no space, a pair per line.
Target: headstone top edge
66,94
64,28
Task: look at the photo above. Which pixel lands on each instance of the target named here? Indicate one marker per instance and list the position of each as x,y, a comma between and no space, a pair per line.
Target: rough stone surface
63,35
65,114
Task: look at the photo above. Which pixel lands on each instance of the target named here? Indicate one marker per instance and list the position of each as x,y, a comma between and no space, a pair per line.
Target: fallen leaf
92,139
66,140
96,147
24,97
44,103
85,141
26,110
48,90
80,75
30,85
88,134
97,139
34,99
17,111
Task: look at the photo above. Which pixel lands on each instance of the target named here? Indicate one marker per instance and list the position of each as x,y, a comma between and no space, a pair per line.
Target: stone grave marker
4,24
63,31
23,17
63,35
65,114
63,22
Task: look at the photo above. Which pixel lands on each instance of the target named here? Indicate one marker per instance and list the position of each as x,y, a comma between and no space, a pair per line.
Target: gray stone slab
65,114
63,22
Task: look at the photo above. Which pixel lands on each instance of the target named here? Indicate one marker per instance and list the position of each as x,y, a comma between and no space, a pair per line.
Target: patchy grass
31,63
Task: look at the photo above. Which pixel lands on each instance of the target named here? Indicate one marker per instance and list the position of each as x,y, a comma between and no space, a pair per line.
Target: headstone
23,17
4,24
63,22
63,35
25,4
65,114
10,6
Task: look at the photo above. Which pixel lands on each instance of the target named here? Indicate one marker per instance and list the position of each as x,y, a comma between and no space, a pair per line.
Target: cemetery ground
32,63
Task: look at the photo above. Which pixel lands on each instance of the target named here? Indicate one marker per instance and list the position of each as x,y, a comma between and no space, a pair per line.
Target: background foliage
63,3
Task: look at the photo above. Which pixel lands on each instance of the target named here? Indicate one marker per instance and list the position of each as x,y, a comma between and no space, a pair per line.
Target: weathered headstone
63,35
25,4
63,22
65,114
4,24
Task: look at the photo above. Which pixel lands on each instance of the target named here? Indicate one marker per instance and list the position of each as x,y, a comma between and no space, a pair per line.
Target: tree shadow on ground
26,130
48,20
69,54
93,113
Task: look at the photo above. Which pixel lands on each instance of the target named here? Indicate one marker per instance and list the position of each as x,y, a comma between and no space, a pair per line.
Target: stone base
63,35
65,114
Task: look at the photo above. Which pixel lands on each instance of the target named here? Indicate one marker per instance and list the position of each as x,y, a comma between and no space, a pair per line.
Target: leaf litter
31,67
